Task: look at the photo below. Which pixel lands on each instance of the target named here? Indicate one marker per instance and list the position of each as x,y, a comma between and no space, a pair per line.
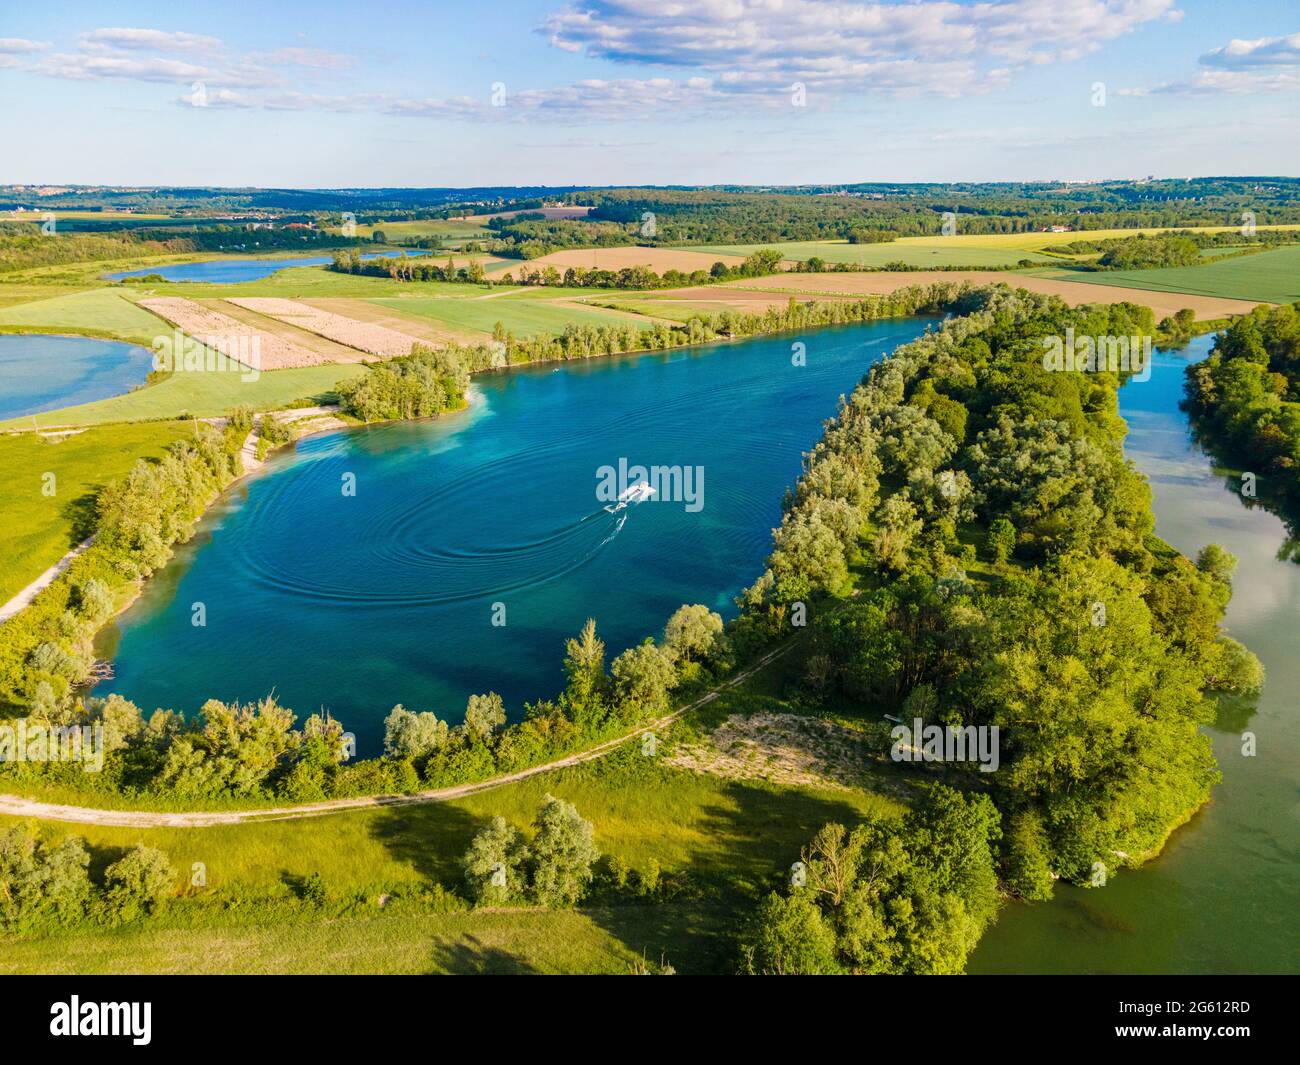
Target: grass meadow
1273,276
36,530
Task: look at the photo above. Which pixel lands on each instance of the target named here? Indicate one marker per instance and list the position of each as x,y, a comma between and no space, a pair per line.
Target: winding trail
17,806
24,598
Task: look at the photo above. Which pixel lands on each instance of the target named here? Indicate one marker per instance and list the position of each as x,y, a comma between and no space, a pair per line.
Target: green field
908,250
203,395
449,230
36,530
98,312
296,282
726,840
1271,275
974,250
524,315
593,941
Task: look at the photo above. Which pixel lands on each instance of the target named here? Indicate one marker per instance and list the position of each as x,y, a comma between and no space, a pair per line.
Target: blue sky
646,91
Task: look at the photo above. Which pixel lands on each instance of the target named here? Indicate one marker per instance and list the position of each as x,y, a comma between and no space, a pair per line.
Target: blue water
230,271
40,373
359,603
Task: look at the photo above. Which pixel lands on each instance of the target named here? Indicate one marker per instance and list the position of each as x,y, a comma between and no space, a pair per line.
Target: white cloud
928,45
18,46
1239,68
1265,51
146,40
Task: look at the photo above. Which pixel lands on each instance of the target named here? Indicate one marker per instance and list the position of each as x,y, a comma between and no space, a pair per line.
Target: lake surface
1224,894
41,372
230,271
360,602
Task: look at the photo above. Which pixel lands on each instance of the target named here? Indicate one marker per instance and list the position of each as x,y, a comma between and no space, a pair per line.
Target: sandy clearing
18,806
656,259
787,749
1073,292
363,336
230,336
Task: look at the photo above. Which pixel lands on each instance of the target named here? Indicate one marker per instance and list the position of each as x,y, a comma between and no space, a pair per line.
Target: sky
609,92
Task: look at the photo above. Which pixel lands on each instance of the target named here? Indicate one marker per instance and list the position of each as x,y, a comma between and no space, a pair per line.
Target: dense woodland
1246,397
1012,579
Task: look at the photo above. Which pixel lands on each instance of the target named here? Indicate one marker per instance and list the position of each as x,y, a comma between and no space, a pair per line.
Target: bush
137,884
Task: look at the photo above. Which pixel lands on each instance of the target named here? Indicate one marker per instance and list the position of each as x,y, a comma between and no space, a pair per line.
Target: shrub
137,884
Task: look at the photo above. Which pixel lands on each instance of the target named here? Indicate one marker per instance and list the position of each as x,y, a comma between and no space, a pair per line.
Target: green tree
137,883
562,855
1001,540
484,714
493,864
789,937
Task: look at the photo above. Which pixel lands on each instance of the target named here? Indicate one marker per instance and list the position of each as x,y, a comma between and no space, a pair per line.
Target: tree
562,854
1217,563
643,677
137,883
484,714
39,881
789,937
1001,540
897,526
493,864
584,666
412,735
693,633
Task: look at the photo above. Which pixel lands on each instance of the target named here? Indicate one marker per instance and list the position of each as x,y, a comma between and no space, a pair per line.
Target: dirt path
17,806
23,599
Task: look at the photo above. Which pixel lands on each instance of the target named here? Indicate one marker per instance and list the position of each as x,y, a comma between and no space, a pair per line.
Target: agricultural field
961,250
1271,276
97,312
523,314
36,530
1073,290
905,250
449,230
659,260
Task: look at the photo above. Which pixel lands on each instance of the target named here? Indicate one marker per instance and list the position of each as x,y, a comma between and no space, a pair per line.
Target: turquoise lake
356,603
41,372
231,271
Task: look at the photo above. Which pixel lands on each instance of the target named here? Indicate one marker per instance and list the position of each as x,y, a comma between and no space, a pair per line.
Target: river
1223,895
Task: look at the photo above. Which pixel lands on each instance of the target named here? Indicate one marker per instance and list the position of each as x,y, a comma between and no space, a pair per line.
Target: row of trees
45,885
1246,396
761,263
45,650
254,751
